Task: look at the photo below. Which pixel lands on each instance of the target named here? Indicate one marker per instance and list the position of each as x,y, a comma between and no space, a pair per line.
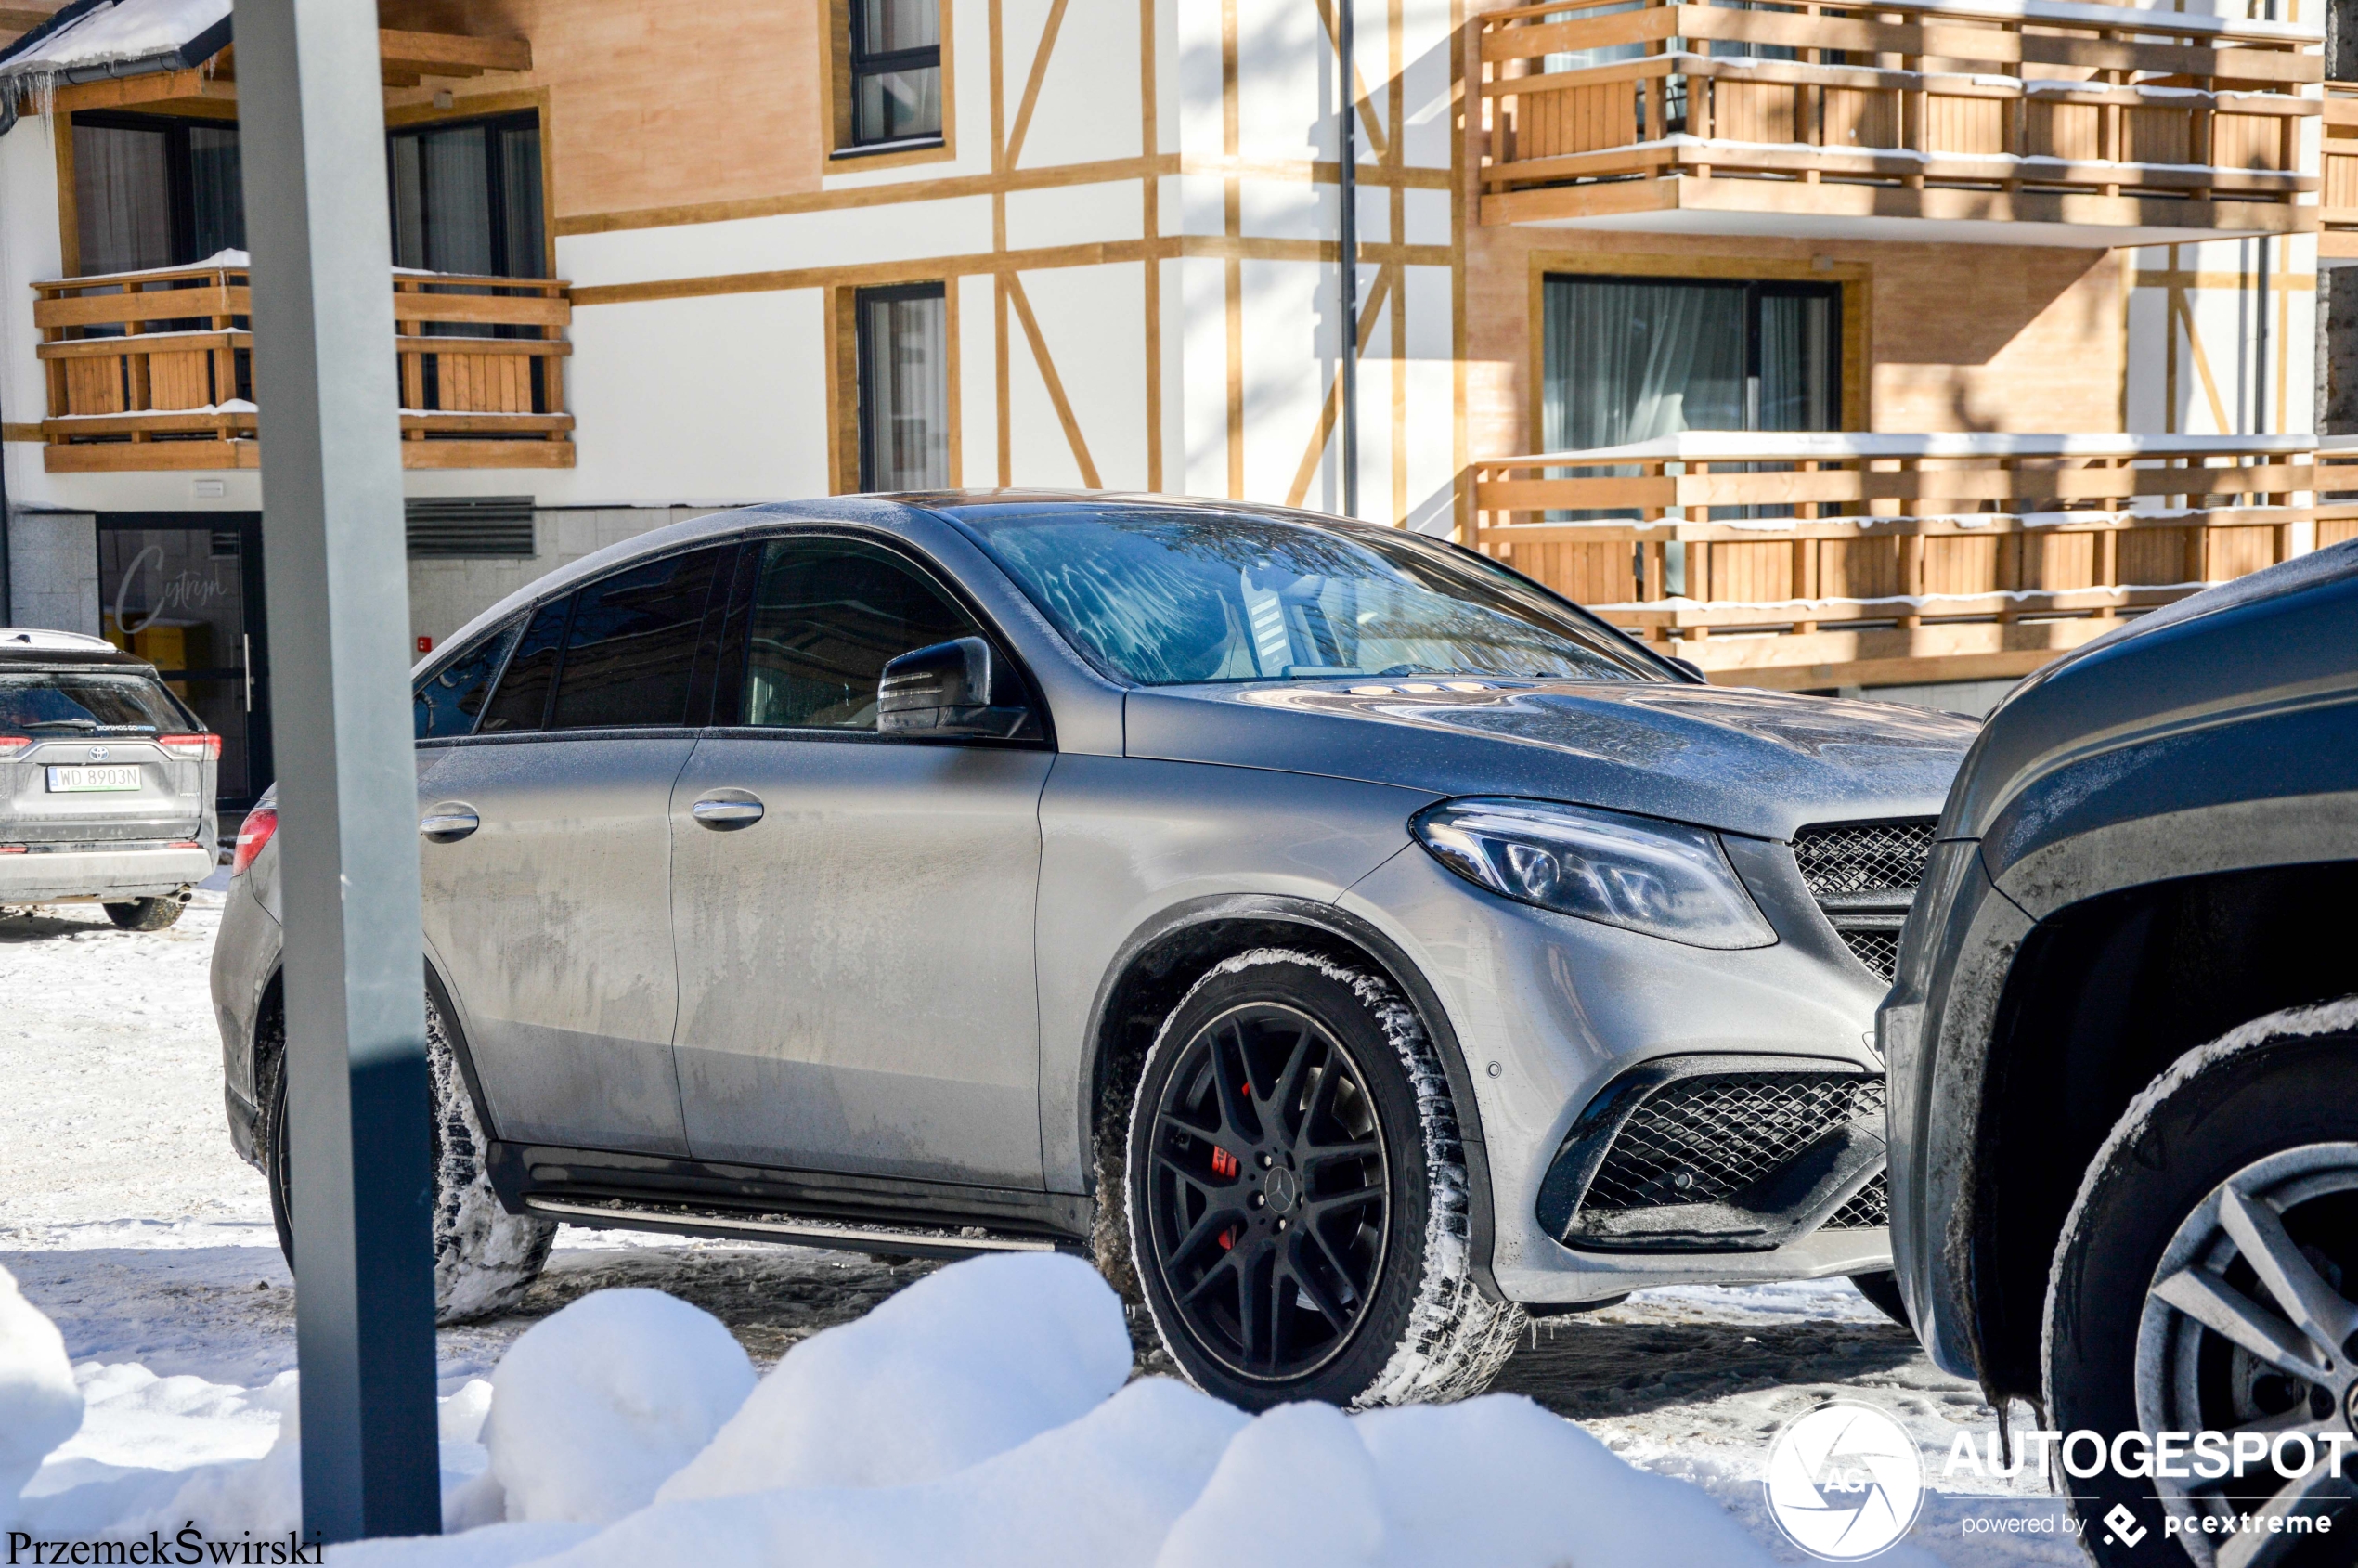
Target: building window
466,197
904,387
896,71
150,191
1631,358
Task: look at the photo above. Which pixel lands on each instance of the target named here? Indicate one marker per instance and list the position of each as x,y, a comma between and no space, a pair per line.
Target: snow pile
978,1419
963,1365
40,1407
595,1407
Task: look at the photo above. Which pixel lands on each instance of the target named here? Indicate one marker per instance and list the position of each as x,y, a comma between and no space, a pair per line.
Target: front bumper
42,877
1549,1011
245,961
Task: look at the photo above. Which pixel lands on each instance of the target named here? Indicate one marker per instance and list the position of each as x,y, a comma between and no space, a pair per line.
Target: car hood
1763,763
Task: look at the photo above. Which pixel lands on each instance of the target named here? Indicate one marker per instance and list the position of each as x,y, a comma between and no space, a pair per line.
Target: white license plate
64,781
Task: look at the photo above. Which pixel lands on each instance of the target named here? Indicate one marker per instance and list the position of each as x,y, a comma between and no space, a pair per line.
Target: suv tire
2247,1148
484,1257
143,914
1297,1192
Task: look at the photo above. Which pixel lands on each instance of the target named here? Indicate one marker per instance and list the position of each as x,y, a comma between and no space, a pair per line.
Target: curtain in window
122,198
1627,361
1798,374
216,205
896,59
442,200
904,391
519,153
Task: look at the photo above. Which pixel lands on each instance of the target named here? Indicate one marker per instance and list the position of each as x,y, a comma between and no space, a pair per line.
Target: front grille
1864,875
1706,1139
1869,1209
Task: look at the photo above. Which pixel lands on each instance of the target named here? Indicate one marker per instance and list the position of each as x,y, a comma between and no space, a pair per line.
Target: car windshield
1169,598
87,701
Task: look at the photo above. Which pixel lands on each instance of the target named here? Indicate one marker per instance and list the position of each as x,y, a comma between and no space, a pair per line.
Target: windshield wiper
60,724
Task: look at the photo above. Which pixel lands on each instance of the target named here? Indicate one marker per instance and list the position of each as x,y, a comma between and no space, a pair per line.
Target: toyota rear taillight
252,833
191,748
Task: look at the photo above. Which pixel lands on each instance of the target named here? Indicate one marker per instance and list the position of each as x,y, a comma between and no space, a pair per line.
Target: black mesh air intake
1871,1209
1702,1140
1717,1154
1864,875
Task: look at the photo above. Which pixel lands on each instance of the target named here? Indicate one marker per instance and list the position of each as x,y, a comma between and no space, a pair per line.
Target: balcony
2065,122
1807,562
2337,174
152,370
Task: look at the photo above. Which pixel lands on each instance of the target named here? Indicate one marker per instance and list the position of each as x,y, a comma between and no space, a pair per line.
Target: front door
856,989
547,858
183,590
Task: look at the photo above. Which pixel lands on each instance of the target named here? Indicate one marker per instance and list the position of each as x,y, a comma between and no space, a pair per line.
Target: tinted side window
448,700
632,647
523,695
828,616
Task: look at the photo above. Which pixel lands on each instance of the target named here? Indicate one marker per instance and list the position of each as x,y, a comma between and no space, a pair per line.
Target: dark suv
2123,1049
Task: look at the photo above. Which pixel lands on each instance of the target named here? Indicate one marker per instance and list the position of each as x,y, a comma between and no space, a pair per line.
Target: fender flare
1335,924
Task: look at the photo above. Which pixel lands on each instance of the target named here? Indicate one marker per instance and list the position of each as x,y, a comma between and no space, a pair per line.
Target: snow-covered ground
127,1222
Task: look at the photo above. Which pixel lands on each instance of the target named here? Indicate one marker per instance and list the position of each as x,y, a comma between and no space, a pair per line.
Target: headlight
1662,879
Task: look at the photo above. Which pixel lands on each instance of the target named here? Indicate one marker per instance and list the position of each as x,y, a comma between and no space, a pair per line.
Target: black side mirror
1692,668
946,690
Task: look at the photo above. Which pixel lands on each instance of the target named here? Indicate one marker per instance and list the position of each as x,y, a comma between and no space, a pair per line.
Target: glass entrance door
183,592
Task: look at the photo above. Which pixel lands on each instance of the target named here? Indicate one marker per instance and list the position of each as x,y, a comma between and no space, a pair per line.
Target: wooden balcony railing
153,370
2046,110
2337,173
1833,560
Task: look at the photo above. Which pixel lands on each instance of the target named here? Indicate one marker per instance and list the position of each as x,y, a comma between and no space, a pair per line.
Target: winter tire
484,1257
2206,1280
1297,1195
143,914
1882,1288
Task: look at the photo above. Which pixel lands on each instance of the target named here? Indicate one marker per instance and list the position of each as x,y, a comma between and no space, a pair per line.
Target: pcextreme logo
1845,1482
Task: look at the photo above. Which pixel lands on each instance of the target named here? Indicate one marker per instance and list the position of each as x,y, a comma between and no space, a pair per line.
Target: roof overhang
123,53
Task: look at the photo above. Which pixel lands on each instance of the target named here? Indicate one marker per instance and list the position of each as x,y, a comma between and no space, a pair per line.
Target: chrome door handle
722,813
447,824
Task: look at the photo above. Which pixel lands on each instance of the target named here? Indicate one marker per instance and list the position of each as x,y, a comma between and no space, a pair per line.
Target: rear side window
87,700
630,653
828,614
449,700
523,696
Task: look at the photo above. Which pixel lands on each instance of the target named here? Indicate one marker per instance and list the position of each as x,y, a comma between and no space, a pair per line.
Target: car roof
38,648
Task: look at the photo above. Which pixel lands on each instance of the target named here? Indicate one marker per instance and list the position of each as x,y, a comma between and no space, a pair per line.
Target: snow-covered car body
2154,841
915,991
106,780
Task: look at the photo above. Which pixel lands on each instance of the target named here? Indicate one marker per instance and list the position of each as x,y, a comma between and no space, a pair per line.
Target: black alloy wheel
1268,1201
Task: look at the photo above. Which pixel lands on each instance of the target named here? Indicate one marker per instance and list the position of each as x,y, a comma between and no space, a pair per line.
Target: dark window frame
1756,290
735,649
179,172
863,360
495,184
866,63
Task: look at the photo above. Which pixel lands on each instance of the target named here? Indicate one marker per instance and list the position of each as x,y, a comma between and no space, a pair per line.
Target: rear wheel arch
1162,960
2103,998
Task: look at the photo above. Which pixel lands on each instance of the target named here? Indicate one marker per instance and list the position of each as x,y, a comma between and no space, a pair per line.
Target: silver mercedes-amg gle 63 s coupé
1352,945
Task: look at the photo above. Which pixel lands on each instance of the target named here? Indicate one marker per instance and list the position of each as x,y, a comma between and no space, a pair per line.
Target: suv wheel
1297,1195
143,914
2206,1280
484,1257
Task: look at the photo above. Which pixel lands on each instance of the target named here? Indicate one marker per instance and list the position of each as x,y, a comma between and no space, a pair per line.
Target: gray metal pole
311,118
1347,249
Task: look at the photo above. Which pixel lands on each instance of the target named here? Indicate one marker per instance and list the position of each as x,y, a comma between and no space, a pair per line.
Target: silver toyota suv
106,781
1352,945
